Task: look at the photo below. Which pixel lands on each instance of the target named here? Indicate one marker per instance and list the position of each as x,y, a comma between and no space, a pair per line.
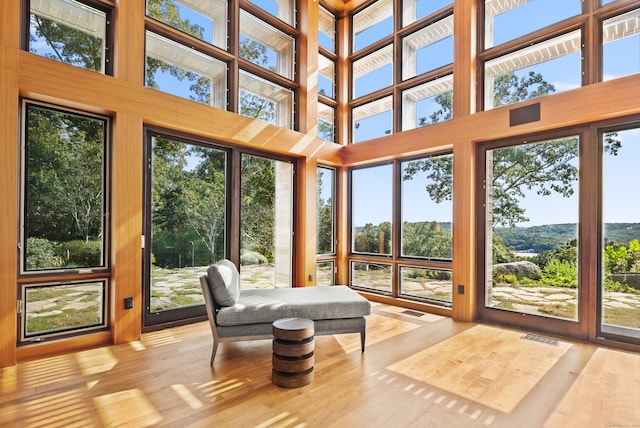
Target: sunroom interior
343,103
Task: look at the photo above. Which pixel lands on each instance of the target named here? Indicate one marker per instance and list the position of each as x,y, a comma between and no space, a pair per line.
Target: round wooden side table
293,346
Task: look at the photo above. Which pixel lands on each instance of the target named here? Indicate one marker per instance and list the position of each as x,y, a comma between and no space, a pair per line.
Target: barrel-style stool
293,346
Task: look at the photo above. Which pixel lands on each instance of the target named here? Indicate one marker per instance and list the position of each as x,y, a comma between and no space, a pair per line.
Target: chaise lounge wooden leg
213,352
362,337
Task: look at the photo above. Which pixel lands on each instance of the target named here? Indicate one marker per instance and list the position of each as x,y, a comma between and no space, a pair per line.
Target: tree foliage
66,44
325,223
543,167
258,193
64,175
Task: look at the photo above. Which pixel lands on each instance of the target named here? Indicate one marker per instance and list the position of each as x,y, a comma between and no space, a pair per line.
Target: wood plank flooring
417,371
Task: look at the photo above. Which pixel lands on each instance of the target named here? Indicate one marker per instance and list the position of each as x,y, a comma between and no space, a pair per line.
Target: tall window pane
64,190
372,24
428,49
429,103
621,45
203,19
414,10
372,120
532,228
326,76
265,101
326,119
265,46
326,29
70,32
371,209
325,211
620,301
544,68
373,72
188,220
427,207
266,222
507,20
179,70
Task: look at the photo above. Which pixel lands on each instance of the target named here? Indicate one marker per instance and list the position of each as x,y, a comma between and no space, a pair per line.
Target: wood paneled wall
124,98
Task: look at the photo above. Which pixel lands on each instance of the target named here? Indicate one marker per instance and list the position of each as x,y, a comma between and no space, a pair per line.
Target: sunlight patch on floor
605,394
385,328
488,365
127,408
96,361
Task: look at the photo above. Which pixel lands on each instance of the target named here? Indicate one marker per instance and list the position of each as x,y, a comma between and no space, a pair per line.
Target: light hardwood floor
417,371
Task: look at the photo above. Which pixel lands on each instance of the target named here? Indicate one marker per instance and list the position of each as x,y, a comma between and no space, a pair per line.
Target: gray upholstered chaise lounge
236,314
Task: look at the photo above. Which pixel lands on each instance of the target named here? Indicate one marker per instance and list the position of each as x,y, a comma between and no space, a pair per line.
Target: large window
71,32
327,90
620,277
266,222
372,209
540,47
326,225
426,206
188,224
187,54
193,220
424,79
409,256
531,228
64,235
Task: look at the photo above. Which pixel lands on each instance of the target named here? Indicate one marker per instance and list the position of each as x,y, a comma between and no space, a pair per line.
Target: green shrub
80,254
560,273
40,254
506,278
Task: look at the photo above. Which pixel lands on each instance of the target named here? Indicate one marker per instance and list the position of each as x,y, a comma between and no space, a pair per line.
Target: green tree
66,44
445,112
64,175
622,259
206,200
257,217
199,86
425,239
324,242
373,239
530,166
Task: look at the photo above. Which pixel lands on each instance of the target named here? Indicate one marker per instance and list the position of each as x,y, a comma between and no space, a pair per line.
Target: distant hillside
540,238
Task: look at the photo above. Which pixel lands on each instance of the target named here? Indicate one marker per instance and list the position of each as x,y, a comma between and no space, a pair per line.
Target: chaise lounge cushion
224,282
315,303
